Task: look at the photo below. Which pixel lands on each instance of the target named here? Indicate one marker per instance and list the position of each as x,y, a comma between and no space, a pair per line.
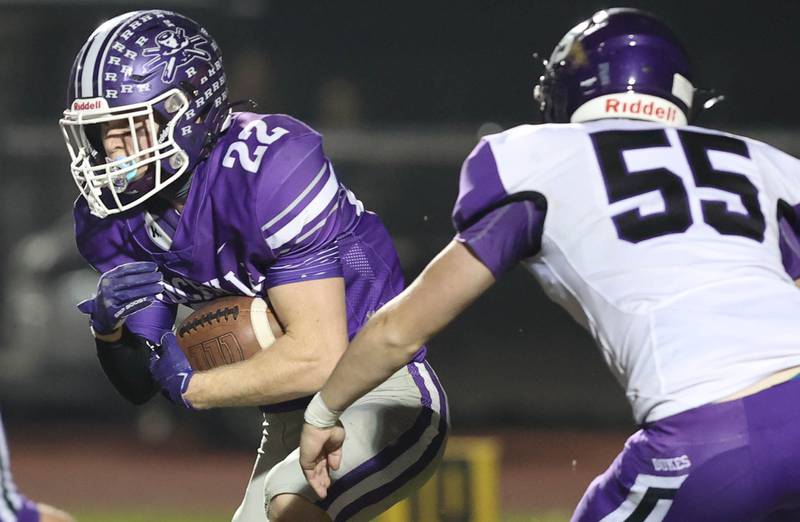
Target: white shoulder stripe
314,209
318,225
298,199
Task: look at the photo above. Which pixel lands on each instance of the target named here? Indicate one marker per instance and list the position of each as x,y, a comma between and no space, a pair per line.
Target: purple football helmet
158,73
620,63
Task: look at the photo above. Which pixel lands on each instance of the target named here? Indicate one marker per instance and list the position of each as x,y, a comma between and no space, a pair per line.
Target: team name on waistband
672,464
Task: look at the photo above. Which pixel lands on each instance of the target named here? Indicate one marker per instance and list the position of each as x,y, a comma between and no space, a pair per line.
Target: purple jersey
265,209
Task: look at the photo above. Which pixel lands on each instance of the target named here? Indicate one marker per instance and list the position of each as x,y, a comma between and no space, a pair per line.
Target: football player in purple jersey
184,200
674,245
14,506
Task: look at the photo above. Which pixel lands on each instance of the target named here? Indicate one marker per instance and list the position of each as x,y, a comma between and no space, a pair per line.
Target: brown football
227,330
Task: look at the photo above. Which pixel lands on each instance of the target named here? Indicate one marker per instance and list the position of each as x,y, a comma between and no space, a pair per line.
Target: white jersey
664,243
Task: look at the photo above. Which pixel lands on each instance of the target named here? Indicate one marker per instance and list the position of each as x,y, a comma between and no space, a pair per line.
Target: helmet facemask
114,186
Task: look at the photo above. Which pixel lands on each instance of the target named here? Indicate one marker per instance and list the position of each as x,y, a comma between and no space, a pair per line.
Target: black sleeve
127,365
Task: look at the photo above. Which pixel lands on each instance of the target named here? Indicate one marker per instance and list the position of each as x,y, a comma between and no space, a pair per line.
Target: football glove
171,370
122,291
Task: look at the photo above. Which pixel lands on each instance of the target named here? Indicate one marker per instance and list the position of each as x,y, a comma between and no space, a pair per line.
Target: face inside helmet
147,100
117,153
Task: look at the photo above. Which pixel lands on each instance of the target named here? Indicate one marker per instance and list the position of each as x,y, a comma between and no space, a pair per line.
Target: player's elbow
318,372
319,364
398,340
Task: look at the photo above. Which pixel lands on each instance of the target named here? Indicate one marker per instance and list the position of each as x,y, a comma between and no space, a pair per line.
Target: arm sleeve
105,244
299,215
127,365
498,227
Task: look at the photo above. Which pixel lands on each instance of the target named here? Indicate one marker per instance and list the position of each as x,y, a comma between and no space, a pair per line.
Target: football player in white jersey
675,246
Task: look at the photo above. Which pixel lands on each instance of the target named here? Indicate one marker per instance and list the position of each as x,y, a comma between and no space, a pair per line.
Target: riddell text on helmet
651,108
89,105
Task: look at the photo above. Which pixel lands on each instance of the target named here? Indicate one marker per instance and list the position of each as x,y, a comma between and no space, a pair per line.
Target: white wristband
318,414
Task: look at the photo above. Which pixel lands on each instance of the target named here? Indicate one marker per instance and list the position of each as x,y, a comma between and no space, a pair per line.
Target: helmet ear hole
172,104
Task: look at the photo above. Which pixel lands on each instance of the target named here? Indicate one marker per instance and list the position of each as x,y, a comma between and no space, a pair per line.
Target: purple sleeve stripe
479,185
319,265
790,248
312,275
506,235
294,264
788,237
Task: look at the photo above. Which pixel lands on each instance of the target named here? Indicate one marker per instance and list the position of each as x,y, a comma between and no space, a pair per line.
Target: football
227,330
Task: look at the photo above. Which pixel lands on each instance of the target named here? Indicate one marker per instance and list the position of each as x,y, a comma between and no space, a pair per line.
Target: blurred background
401,92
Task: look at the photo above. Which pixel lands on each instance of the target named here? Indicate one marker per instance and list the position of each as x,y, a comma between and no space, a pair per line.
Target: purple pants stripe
379,461
390,453
442,394
419,465
420,382
378,494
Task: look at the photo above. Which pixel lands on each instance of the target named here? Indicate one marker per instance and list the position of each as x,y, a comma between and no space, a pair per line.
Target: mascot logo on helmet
174,50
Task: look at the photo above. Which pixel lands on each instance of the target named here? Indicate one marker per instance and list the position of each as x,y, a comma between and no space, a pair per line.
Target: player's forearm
381,348
453,280
125,362
281,373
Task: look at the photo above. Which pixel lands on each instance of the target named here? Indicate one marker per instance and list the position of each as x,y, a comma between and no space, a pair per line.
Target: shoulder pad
102,242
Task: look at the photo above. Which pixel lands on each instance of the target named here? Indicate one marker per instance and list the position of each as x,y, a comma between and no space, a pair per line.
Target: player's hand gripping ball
227,330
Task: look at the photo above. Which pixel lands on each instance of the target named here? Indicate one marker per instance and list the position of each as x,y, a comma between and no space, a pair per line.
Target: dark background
401,91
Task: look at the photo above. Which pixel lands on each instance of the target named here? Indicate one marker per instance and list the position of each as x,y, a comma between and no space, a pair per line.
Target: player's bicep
313,314
450,283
